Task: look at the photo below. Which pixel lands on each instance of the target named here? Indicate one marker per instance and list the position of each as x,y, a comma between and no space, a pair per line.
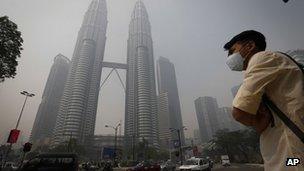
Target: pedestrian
273,76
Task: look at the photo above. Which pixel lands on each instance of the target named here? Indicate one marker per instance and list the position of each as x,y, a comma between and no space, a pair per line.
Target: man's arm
243,117
260,121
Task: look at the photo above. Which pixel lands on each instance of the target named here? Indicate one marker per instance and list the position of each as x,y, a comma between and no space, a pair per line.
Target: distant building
206,112
164,121
141,103
235,89
227,121
78,105
196,137
166,79
47,112
108,141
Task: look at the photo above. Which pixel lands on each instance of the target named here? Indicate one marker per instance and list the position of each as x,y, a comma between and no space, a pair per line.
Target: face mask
235,62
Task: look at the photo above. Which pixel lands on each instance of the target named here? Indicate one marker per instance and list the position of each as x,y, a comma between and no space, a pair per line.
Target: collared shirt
283,82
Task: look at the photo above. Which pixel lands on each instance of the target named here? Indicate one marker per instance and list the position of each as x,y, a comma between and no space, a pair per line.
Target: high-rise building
48,109
206,112
165,138
235,89
166,80
227,121
141,105
196,136
77,112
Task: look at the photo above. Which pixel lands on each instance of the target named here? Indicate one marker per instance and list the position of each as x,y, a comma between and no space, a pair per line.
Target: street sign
13,136
107,153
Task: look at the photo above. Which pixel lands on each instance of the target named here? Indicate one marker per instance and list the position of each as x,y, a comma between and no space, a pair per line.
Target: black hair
248,35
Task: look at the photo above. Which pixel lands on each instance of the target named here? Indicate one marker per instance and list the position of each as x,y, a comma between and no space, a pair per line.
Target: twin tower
76,114
78,105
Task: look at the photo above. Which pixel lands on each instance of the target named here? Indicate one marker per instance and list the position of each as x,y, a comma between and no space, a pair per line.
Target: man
275,75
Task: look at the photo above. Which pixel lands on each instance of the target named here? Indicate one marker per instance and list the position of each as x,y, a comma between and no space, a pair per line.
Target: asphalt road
239,167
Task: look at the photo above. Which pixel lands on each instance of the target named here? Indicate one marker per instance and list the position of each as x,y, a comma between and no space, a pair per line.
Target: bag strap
291,125
297,63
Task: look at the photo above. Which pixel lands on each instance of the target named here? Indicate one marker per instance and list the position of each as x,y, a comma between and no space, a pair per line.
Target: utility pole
179,141
27,94
115,139
180,146
133,147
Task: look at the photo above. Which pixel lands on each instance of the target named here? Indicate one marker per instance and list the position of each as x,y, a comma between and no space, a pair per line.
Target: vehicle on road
52,162
145,166
168,166
225,160
9,166
195,164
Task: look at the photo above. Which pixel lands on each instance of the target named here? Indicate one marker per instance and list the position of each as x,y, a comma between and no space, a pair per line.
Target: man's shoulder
265,58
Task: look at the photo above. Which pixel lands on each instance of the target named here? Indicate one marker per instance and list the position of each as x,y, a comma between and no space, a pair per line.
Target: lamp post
115,141
27,94
133,147
178,130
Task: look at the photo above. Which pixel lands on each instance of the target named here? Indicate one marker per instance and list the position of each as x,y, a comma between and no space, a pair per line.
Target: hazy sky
191,33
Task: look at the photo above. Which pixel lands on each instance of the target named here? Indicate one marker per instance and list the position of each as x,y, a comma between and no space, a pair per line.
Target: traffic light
27,147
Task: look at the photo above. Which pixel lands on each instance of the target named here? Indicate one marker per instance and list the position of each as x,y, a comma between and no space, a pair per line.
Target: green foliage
10,47
241,146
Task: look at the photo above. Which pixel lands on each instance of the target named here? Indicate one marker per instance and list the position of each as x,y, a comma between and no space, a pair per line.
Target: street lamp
27,94
178,130
115,146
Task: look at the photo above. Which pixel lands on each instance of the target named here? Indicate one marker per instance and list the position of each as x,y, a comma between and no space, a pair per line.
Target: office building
141,104
48,109
77,111
166,80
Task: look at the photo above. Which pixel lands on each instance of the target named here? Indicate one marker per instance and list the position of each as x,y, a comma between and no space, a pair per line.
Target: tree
241,146
10,47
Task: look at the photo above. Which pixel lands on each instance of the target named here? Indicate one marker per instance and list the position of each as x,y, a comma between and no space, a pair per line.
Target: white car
195,164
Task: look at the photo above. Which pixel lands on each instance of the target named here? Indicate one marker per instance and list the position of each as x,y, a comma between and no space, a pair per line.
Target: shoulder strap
291,125
297,63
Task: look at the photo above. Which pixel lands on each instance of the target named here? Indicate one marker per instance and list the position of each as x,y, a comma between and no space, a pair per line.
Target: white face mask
235,62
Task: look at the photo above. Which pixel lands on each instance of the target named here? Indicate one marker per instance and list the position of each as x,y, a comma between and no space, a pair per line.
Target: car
195,164
225,160
145,166
52,162
168,166
9,166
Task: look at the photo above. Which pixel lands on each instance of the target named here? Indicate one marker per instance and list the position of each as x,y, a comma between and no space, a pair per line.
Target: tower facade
164,121
166,80
77,111
48,109
207,112
141,105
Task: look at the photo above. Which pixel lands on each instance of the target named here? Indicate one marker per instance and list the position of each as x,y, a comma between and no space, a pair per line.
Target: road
239,167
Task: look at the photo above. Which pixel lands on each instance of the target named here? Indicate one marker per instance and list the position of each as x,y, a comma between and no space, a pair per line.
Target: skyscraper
141,105
206,112
164,121
227,121
166,80
77,112
48,109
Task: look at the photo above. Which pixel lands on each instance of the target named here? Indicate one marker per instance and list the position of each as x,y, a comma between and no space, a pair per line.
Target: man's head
246,44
